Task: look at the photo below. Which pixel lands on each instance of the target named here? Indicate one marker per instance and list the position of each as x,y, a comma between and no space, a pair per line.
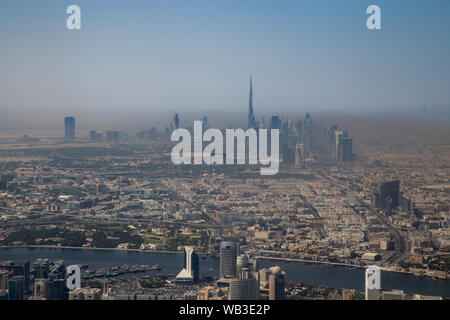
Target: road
400,241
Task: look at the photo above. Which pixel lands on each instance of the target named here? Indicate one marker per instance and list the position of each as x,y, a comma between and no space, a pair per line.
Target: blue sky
174,55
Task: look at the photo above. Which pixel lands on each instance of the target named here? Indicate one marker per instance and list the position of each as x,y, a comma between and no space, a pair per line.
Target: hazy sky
180,55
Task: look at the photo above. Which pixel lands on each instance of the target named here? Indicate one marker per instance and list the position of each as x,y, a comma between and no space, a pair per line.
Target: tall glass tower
69,127
251,117
229,251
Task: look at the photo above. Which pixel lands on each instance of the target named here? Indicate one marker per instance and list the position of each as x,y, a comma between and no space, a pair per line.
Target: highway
399,239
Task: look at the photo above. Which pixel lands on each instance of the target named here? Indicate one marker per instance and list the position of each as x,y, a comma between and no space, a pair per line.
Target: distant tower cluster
296,139
342,144
113,136
245,284
244,278
46,281
69,128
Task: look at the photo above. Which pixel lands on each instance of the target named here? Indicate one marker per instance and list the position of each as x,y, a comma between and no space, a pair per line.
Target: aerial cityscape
332,204
116,204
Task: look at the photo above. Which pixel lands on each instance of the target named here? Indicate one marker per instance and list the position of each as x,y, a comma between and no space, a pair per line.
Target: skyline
173,152
185,58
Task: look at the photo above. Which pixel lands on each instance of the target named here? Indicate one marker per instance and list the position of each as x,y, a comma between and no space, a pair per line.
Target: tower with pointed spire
251,117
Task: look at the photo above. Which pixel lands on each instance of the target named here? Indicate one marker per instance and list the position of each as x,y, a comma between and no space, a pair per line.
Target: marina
116,271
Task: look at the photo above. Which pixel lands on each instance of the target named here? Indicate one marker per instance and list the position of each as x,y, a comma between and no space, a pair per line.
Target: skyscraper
41,268
245,286
387,198
190,272
275,123
288,153
112,136
16,287
175,121
276,283
42,289
241,262
347,150
338,136
69,127
299,157
373,283
307,133
4,279
343,145
251,116
22,268
229,250
58,289
204,123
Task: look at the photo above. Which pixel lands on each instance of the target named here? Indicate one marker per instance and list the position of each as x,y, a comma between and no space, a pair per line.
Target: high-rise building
275,122
299,155
58,270
343,145
16,288
229,250
4,274
251,116
94,136
175,121
338,144
307,133
288,153
204,123
241,262
190,272
245,286
276,283
346,150
69,127
42,289
22,268
112,136
387,198
284,129
58,289
373,283
41,268
264,278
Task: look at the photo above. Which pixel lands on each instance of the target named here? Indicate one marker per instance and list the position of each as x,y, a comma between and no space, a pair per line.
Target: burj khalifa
251,117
